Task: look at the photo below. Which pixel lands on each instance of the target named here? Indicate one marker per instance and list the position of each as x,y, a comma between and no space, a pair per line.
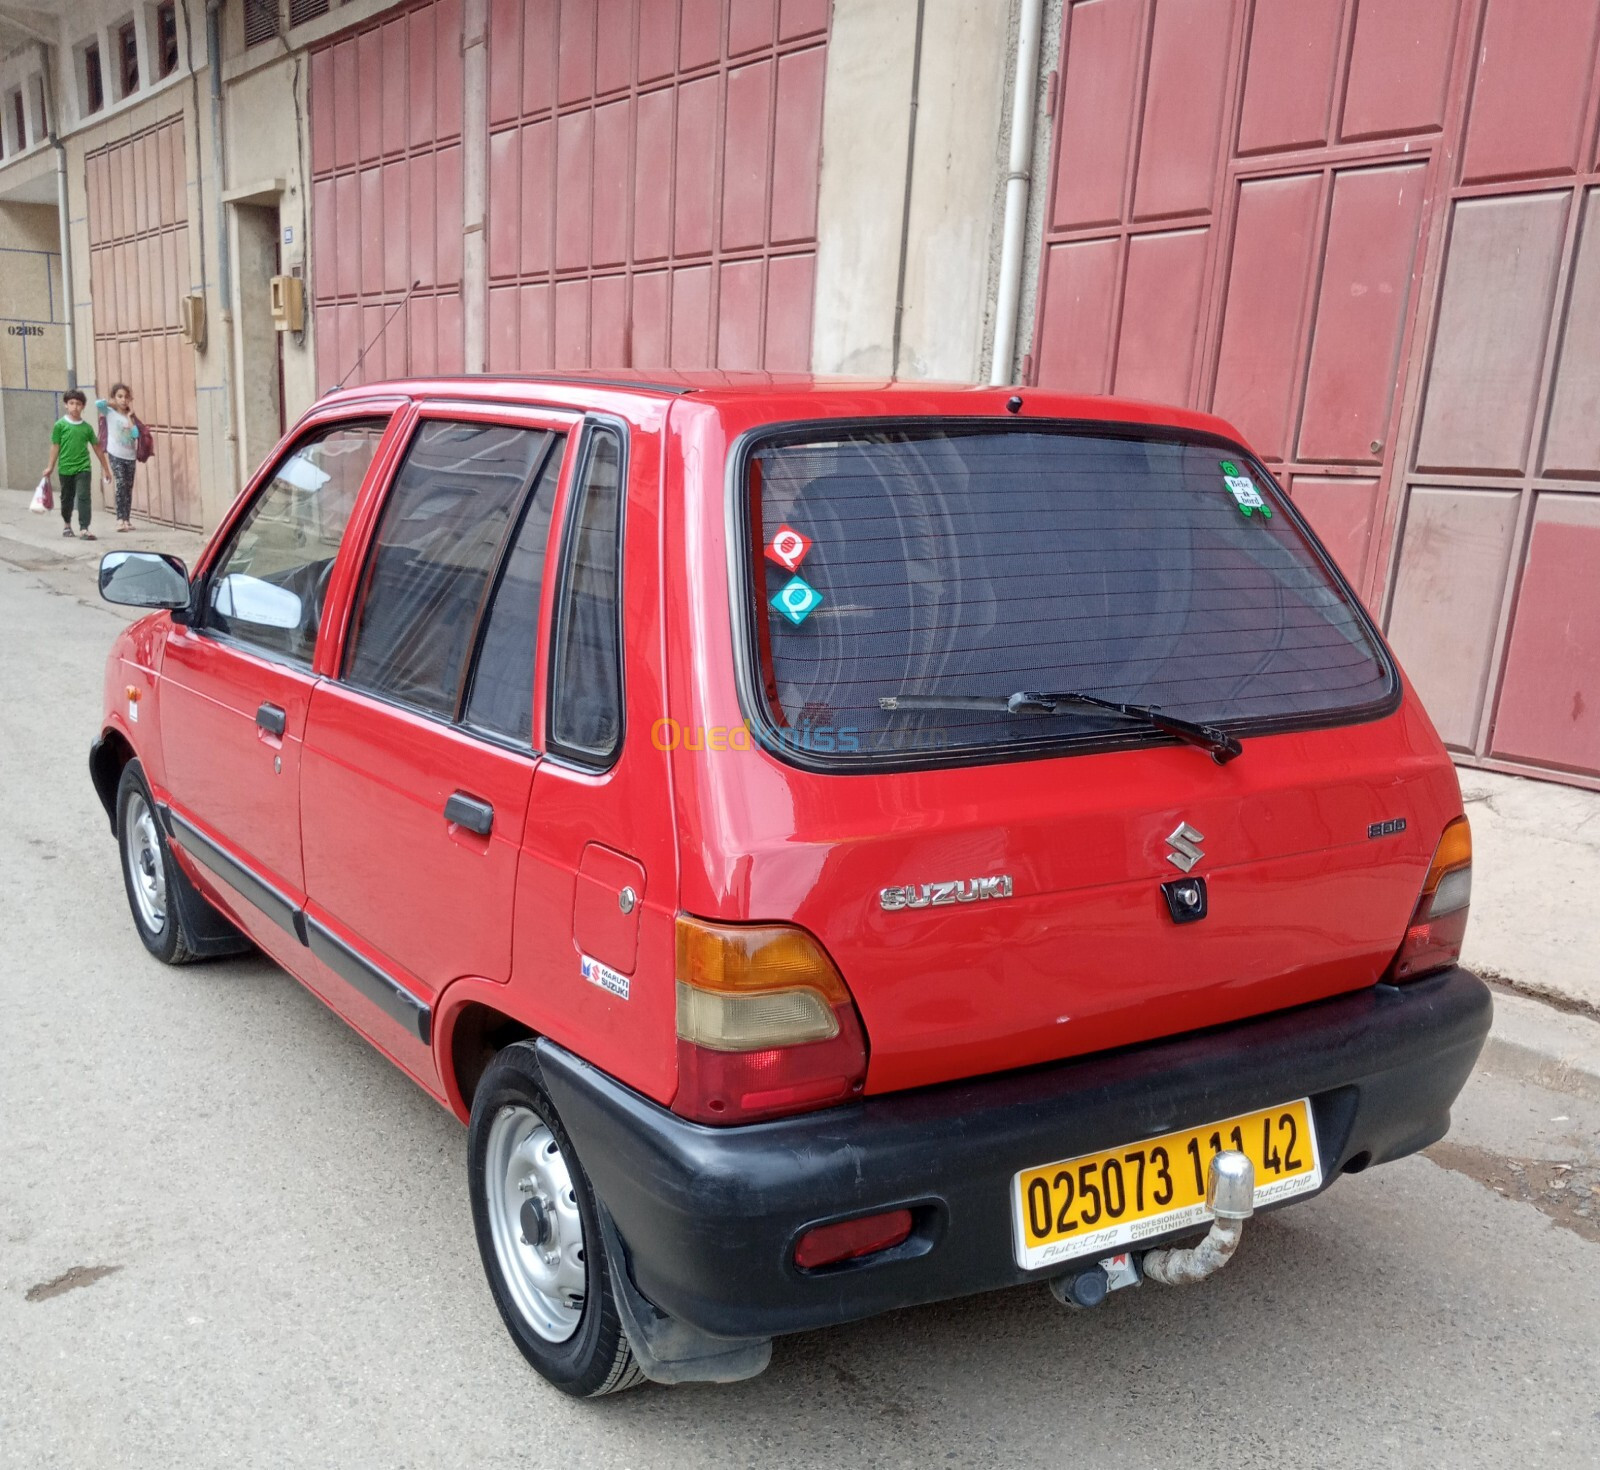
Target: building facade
1365,232
1369,235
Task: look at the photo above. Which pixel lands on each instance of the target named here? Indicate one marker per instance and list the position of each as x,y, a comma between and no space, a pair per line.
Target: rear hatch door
987,870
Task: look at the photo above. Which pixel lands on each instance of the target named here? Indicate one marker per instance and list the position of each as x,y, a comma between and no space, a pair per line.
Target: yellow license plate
1102,1202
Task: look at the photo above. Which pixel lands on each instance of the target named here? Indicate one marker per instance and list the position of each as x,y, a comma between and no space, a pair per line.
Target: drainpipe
905,203
53,132
1024,94
219,184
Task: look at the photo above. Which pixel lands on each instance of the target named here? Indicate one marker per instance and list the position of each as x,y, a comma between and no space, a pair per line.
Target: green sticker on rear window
1244,492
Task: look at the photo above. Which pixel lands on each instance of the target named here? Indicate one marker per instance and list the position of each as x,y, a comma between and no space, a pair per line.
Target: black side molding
377,985
381,988
275,905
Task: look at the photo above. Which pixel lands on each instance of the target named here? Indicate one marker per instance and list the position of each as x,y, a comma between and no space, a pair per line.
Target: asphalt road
268,1254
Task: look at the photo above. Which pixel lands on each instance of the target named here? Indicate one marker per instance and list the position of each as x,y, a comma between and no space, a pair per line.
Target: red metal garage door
651,175
653,182
386,201
1254,209
138,274
1495,601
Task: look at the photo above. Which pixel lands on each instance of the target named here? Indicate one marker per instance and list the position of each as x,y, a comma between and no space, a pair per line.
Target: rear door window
444,526
963,566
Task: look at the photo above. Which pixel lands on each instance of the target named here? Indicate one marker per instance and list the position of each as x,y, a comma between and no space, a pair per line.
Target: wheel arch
108,757
471,1028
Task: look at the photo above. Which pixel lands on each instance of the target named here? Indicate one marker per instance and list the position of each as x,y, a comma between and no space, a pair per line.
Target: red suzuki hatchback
837,846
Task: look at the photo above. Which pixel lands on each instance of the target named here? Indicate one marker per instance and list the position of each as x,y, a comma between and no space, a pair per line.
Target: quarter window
500,701
586,667
447,517
268,587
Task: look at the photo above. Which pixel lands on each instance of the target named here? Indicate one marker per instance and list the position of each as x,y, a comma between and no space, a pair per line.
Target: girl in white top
122,446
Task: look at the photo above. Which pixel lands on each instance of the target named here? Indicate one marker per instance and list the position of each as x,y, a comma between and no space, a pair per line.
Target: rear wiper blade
1223,746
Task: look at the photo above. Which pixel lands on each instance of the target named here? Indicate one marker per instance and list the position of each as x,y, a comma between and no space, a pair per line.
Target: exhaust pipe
1230,1196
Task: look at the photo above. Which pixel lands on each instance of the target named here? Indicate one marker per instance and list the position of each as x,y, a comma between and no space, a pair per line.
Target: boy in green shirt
70,443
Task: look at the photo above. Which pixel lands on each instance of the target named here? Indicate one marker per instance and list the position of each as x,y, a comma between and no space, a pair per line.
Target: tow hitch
1230,1197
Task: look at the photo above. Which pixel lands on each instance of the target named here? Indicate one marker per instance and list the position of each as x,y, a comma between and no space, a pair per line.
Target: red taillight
827,1245
766,1025
1439,922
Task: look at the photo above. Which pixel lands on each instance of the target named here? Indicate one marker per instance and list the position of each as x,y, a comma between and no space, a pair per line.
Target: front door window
268,587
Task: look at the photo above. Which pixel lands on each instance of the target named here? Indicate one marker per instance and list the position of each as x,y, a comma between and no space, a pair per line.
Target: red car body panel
1081,959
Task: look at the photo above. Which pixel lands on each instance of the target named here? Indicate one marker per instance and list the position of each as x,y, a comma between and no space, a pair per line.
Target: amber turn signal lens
1449,883
742,988
1439,921
734,958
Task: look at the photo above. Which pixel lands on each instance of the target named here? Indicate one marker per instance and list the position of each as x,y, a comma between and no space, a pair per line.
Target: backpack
146,446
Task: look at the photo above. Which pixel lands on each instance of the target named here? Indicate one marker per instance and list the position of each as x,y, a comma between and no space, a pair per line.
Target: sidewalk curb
1540,1044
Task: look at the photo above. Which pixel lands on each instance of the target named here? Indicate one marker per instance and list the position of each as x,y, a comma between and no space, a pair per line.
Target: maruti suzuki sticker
797,599
604,976
788,548
1244,491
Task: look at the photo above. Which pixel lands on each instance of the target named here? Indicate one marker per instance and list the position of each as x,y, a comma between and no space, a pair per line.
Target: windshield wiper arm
1223,746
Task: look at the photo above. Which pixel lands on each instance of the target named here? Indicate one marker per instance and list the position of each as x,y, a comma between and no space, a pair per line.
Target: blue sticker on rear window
797,599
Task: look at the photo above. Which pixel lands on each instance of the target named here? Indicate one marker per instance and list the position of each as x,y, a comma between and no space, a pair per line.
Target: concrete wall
865,131
949,230
956,209
32,339
268,163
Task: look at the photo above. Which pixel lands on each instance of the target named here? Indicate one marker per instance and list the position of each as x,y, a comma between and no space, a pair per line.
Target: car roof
790,394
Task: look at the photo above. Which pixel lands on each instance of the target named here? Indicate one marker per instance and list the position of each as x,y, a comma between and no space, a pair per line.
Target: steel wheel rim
534,1223
147,872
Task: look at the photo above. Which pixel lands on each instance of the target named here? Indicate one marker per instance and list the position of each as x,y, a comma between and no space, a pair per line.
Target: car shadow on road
1363,1312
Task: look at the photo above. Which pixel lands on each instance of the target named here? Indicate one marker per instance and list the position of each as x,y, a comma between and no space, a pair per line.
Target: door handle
271,719
469,812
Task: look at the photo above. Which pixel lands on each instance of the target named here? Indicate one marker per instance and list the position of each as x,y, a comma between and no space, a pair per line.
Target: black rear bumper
710,1216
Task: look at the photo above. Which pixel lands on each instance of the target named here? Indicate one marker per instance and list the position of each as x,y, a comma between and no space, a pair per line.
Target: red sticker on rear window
788,548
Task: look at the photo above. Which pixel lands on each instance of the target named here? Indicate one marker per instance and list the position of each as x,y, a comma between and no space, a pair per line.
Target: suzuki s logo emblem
932,895
1185,844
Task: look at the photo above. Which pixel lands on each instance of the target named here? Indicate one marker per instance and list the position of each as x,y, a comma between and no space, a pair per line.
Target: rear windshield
979,563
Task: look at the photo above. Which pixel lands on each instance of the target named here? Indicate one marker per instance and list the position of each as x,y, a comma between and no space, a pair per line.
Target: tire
522,1175
149,872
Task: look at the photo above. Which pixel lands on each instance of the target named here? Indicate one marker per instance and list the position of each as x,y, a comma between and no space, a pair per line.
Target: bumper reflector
827,1245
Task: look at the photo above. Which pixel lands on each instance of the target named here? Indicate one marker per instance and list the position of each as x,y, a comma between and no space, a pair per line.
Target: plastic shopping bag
43,500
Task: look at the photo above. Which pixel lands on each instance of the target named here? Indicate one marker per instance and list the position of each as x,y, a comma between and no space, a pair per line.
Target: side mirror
144,579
